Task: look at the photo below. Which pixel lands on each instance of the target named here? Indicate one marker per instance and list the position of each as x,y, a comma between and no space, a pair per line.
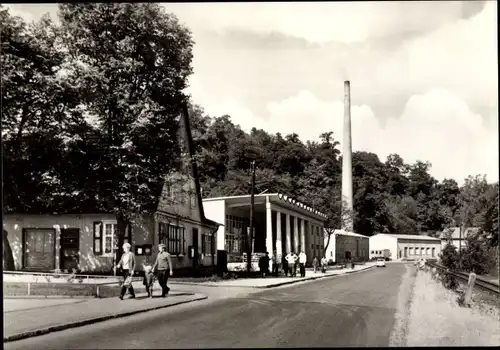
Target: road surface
350,310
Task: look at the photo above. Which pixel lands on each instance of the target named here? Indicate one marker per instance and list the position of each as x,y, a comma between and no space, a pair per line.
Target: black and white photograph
250,174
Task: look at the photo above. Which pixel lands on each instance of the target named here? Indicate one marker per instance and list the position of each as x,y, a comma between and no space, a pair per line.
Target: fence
464,278
18,283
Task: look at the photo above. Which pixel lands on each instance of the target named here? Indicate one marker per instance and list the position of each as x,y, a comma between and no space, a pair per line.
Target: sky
423,75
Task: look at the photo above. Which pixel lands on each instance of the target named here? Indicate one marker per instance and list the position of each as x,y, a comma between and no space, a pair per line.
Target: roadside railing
24,281
464,278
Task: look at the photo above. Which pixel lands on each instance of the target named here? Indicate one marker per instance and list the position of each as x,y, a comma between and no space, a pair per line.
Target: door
39,249
195,247
406,252
70,246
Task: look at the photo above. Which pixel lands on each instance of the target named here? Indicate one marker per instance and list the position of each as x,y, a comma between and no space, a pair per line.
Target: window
106,237
373,252
193,200
427,251
331,253
312,246
206,247
145,249
173,237
317,246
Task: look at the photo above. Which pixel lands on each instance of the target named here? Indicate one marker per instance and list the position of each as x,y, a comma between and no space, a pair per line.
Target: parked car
381,262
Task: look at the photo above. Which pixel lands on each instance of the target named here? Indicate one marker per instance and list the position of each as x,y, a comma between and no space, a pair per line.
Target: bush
449,281
476,256
449,257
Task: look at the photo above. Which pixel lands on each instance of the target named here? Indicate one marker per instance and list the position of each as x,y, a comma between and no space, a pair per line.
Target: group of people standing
291,263
163,264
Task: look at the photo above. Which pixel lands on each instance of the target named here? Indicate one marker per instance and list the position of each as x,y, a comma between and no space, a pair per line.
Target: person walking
164,263
315,264
290,259
127,264
284,262
302,264
276,264
324,262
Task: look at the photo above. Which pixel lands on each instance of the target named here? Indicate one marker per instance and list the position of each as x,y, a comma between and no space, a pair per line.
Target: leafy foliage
449,257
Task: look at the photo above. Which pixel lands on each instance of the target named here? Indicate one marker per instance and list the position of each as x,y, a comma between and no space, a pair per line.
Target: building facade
281,224
87,242
344,246
405,247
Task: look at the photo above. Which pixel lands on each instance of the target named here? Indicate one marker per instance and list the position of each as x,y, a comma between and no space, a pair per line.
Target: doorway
195,248
39,249
70,247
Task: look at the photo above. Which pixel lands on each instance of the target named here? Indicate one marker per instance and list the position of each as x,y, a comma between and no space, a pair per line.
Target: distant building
280,223
452,235
346,245
403,247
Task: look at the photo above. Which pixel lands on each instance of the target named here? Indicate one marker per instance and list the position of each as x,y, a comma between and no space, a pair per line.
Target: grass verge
435,318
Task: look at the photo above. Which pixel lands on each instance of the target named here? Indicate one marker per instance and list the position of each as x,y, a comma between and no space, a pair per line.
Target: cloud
322,21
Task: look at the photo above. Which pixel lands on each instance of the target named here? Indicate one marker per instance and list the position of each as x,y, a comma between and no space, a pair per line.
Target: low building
403,247
88,241
281,224
344,246
456,236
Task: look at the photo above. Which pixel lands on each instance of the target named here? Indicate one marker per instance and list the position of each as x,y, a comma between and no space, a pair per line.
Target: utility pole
250,235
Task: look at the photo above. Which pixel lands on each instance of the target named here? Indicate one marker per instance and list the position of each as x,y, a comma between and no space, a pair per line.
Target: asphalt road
351,310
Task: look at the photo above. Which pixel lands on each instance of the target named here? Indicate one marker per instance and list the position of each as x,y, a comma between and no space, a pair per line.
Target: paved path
351,310
55,313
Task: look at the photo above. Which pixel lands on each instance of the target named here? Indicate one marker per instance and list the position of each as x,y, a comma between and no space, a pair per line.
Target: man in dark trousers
264,265
164,263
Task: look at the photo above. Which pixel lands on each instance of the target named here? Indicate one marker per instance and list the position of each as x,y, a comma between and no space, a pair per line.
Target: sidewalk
270,282
23,321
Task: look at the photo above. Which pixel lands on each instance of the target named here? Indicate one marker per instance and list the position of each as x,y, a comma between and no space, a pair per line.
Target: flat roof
420,237
278,198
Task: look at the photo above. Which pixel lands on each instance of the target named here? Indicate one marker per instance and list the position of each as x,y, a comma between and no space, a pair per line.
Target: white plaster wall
381,241
216,211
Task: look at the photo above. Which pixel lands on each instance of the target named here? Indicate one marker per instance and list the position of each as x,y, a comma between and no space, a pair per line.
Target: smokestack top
347,83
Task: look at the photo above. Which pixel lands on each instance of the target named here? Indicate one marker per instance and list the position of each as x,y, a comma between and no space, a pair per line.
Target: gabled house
456,236
87,241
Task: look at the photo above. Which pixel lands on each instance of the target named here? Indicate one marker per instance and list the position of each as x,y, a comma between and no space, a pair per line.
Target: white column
279,251
303,236
288,235
57,240
269,232
296,234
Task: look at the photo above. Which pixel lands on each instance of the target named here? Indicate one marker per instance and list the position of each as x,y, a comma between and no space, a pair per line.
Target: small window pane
97,246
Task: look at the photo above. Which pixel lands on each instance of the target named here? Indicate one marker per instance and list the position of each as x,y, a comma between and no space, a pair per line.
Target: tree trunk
122,226
330,232
8,257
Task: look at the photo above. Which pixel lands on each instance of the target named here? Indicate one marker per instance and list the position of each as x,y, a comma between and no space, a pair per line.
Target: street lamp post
250,240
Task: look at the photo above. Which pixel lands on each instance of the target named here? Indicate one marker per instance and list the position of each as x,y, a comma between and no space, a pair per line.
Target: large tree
130,62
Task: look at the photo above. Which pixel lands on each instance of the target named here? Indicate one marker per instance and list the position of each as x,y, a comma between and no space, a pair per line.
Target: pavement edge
313,278
42,331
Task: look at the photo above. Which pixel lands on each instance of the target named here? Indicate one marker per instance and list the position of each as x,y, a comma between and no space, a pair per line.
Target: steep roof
454,232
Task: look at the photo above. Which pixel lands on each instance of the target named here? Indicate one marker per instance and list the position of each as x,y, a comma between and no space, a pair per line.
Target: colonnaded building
281,224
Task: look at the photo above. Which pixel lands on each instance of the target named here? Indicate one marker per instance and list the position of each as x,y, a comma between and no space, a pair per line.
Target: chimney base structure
347,200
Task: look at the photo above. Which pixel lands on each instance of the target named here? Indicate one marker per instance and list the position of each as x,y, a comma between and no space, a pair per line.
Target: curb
311,279
215,285
49,297
180,294
38,332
